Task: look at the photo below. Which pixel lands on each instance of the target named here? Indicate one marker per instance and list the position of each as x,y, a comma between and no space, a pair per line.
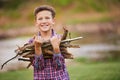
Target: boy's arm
58,59
38,42
38,61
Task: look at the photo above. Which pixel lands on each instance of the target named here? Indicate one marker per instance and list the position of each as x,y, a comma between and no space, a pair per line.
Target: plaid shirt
50,69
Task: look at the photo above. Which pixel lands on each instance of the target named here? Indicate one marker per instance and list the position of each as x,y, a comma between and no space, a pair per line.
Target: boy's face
44,21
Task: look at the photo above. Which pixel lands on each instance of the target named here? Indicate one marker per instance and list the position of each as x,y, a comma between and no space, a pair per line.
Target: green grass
17,75
98,71
77,71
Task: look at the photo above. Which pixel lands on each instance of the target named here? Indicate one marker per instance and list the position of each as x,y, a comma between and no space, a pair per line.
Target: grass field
77,71
95,71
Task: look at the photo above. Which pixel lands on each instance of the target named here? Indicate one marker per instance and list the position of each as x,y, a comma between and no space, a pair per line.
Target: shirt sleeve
31,40
38,62
58,60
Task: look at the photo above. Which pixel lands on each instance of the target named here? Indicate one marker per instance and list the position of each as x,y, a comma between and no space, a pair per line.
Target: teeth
44,24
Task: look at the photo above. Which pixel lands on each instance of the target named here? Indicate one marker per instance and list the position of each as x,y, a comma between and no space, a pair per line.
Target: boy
47,69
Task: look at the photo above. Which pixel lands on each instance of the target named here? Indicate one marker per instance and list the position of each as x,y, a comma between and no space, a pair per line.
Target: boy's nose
44,21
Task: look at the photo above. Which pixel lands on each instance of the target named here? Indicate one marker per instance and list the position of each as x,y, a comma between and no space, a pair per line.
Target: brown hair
45,7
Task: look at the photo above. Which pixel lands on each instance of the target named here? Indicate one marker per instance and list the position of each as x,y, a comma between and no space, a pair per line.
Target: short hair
44,7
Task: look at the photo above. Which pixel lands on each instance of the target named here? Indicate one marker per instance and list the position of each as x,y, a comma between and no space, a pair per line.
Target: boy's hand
38,42
55,41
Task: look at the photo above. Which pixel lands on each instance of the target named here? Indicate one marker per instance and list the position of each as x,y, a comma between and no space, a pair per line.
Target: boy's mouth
44,25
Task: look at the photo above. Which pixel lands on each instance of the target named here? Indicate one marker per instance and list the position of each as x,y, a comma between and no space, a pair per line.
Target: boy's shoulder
31,39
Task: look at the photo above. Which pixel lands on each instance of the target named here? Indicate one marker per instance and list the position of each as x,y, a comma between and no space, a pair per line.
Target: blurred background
97,21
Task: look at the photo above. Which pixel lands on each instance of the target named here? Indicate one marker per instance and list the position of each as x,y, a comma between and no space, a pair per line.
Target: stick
21,59
63,41
8,61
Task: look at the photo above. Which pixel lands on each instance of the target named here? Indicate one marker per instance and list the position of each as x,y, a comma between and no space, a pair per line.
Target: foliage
11,4
21,11
60,3
98,5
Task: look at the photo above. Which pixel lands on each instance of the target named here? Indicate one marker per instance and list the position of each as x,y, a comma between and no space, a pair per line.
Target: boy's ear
53,20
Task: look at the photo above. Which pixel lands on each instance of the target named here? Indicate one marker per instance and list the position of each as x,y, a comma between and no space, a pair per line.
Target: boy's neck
46,35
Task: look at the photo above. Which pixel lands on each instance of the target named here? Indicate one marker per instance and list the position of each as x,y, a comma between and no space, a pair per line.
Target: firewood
28,51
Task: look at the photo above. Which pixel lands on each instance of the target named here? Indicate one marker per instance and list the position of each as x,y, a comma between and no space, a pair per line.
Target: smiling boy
47,69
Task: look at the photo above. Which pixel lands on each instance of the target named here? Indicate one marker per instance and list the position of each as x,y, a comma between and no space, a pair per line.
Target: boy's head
44,18
45,7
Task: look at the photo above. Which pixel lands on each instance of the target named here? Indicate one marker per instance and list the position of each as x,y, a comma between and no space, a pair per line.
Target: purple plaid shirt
50,69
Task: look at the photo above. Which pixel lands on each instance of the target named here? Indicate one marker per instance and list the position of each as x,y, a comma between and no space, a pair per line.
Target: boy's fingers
59,39
39,37
34,36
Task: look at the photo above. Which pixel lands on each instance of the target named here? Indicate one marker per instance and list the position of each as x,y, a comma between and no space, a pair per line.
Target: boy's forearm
56,50
38,50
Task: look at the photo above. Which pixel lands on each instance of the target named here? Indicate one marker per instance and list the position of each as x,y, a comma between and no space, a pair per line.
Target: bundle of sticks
27,52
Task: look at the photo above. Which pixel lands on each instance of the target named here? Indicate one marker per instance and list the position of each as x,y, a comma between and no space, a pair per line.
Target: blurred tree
11,4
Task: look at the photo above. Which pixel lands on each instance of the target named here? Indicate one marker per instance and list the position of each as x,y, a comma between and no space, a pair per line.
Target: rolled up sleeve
58,60
39,62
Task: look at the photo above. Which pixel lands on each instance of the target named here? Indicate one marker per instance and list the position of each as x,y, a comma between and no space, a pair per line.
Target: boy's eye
39,18
47,18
